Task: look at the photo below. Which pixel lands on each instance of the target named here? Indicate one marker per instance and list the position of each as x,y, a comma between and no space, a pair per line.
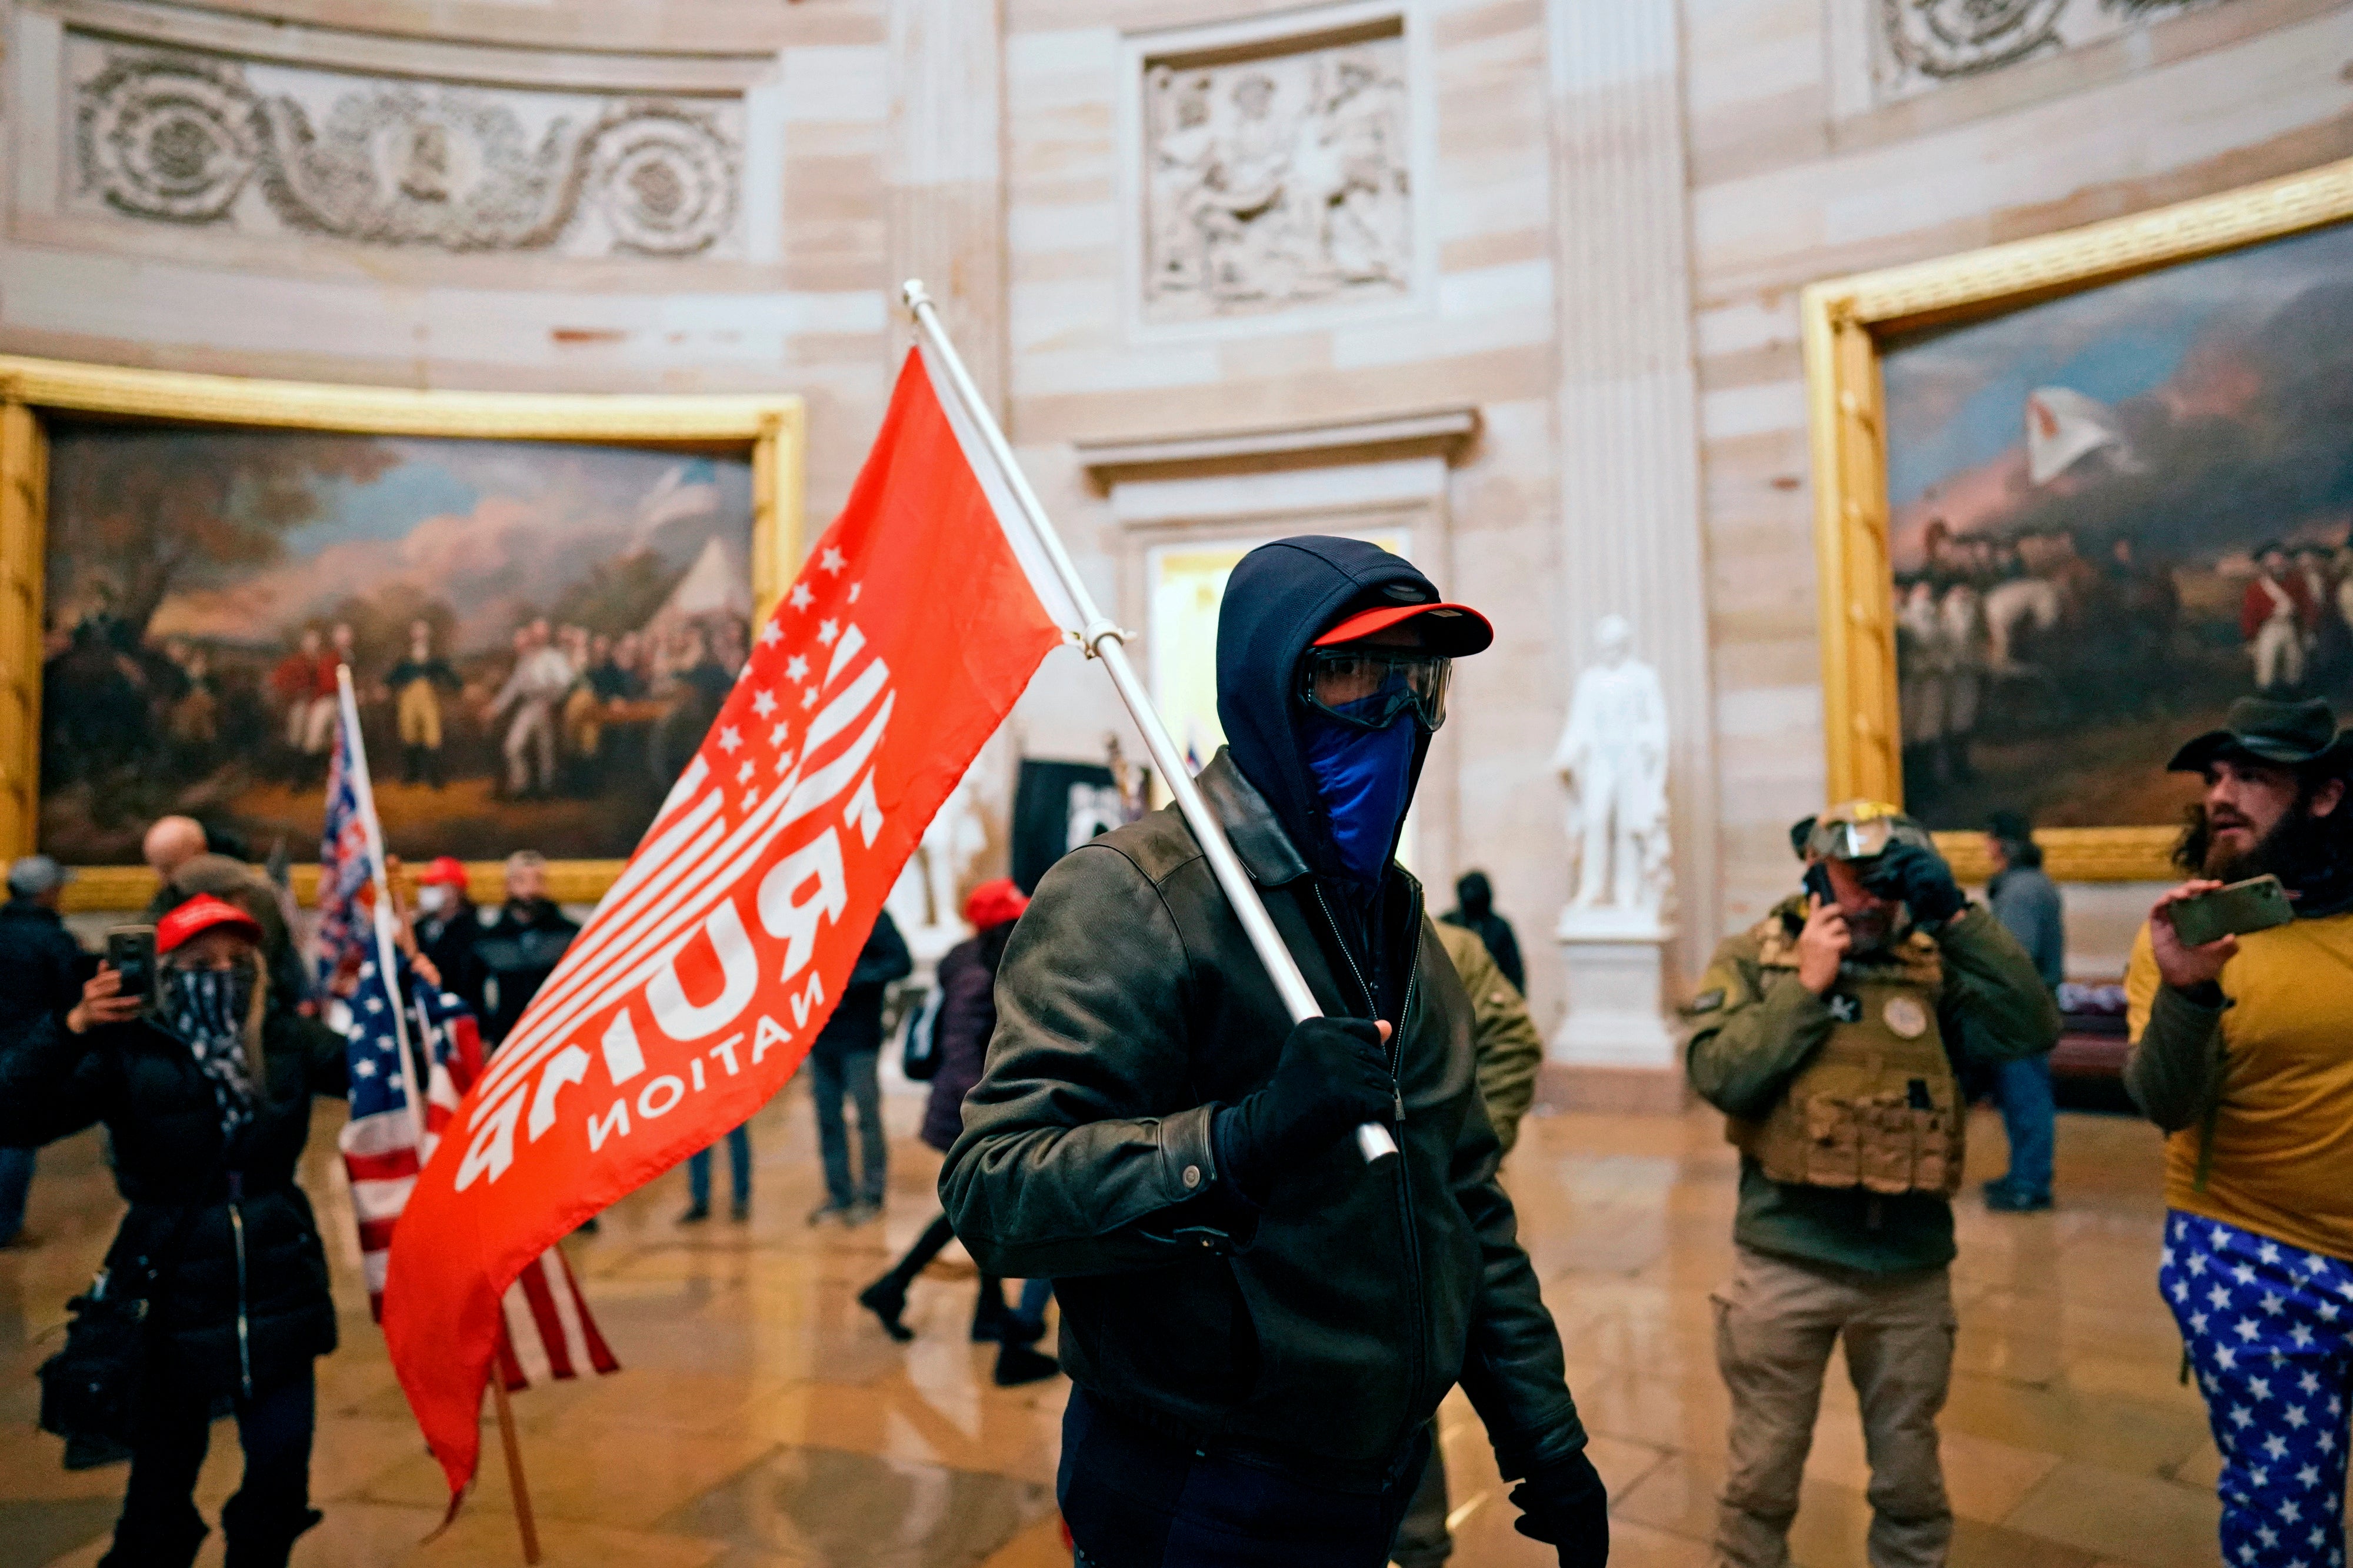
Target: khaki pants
420,715
1775,1325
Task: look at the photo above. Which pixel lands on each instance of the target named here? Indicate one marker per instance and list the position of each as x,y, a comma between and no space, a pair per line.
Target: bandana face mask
1364,777
207,1009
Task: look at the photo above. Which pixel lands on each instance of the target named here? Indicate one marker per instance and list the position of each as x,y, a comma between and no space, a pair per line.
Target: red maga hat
1454,631
447,871
202,914
993,903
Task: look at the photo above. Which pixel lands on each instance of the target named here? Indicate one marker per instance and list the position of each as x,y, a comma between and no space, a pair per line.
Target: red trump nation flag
696,987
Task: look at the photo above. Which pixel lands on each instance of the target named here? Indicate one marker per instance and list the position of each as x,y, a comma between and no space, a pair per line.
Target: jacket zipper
1397,1093
244,1341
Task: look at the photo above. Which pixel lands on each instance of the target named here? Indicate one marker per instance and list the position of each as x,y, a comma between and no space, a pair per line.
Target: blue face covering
1364,779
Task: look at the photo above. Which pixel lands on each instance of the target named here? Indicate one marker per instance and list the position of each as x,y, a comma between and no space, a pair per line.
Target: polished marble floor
764,1421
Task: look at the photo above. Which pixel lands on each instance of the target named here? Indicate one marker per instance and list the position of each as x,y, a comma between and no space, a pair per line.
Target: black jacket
967,978
447,942
1476,911
1319,1332
513,955
240,1299
856,1024
41,966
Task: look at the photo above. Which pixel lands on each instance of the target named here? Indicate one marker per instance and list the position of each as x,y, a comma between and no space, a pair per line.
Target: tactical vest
1877,1106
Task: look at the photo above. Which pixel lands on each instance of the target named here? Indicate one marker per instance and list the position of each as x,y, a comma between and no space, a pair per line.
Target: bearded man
2241,1053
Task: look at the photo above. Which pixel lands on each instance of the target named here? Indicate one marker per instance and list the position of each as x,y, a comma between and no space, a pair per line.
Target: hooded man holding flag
1259,1324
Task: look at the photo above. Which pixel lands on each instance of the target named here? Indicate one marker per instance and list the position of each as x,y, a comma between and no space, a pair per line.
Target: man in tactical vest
1825,1036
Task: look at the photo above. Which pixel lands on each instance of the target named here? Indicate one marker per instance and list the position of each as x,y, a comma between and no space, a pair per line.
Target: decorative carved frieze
1276,176
1925,42
180,136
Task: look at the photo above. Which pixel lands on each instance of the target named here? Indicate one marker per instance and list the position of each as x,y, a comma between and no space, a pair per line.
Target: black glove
1920,878
1564,1504
1334,1074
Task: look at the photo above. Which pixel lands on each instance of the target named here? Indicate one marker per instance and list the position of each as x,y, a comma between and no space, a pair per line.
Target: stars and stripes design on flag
379,1141
2269,1329
345,890
549,1332
694,991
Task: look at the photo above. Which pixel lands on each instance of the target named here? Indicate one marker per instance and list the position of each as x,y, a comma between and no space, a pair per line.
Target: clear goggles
1371,687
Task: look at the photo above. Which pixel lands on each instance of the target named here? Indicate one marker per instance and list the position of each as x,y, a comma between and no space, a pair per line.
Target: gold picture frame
1843,322
770,429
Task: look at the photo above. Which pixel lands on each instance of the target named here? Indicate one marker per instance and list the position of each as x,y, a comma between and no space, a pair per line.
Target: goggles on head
1370,686
1863,830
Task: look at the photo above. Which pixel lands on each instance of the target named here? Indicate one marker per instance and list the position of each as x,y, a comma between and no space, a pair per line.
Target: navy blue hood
1278,599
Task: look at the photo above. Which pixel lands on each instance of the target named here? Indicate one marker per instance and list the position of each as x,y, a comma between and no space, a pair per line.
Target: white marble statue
1613,760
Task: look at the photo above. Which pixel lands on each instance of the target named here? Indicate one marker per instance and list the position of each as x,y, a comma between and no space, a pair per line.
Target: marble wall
1517,278
1802,168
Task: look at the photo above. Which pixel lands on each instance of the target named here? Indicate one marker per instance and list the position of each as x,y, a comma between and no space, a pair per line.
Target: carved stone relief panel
179,136
1924,43
1276,175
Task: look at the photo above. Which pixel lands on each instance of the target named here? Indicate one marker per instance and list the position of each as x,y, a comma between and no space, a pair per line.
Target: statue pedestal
1617,1051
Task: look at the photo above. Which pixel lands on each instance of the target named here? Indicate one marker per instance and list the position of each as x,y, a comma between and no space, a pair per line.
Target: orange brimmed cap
202,914
1454,631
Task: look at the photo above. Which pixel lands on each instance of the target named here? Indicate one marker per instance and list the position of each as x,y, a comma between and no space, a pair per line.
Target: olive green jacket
1509,1048
1753,1029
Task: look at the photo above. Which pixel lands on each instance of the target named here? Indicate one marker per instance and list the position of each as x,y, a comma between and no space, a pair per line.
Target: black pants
992,1287
1134,1499
159,1527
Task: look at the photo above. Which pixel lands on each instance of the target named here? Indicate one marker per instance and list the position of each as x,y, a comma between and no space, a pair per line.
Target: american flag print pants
2269,1329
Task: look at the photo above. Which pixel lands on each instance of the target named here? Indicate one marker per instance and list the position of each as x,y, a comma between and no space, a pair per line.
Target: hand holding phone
130,953
2256,904
103,1002
2194,929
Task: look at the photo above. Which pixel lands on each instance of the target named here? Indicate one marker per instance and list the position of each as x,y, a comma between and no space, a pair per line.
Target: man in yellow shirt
2243,1052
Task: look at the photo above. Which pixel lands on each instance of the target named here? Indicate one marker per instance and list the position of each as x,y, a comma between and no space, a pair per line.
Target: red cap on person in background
202,914
993,903
446,871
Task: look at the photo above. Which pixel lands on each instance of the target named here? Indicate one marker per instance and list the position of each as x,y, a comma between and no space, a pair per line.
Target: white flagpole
355,760
1103,639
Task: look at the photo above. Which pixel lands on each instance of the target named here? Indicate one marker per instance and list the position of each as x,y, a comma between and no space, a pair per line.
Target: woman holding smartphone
204,1088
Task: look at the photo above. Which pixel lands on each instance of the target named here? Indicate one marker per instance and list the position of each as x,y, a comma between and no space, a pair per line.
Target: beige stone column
945,170
1627,410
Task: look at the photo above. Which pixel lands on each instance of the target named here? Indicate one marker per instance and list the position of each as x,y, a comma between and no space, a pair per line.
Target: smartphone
1818,882
2258,903
130,953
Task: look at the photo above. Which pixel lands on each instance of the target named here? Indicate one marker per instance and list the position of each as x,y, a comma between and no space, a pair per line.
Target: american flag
548,1330
344,887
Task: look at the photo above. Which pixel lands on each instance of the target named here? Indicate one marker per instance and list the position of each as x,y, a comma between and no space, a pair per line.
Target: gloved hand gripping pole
1105,641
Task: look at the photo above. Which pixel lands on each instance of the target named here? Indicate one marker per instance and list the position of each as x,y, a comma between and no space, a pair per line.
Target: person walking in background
1827,1036
1474,910
2028,905
2239,1054
844,1059
961,1027
1510,1053
41,973
207,1106
516,947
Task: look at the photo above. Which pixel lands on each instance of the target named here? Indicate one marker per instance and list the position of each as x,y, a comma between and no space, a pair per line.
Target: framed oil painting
542,601
2075,495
